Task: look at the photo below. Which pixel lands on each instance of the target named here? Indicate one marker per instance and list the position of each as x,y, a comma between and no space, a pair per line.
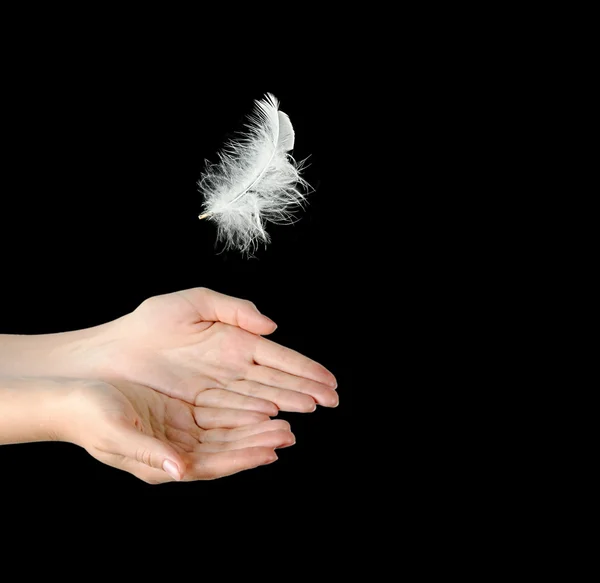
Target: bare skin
137,429
187,378
196,345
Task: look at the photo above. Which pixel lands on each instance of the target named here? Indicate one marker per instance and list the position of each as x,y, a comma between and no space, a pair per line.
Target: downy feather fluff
255,180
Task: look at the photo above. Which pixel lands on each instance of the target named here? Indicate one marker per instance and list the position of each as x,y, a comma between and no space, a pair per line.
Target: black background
99,211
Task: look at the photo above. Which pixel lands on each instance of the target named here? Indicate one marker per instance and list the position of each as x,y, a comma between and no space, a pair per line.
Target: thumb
216,307
149,451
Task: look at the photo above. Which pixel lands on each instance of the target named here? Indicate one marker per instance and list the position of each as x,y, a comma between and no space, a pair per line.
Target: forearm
68,354
31,409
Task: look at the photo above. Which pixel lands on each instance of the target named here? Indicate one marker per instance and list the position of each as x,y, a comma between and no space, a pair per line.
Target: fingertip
324,376
278,425
331,381
257,323
172,469
249,417
288,441
332,400
267,408
268,325
267,455
285,424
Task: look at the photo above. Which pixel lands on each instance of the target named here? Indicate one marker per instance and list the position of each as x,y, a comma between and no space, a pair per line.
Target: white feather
256,180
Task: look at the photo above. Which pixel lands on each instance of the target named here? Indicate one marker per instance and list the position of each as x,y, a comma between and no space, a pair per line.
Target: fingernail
171,469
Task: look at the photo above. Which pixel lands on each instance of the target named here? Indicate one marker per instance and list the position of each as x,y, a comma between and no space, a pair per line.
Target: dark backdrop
99,211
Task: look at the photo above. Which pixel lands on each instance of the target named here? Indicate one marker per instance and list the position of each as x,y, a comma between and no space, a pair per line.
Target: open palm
206,349
135,428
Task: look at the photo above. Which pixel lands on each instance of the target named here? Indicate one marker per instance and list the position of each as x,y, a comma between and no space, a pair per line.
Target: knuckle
143,456
149,302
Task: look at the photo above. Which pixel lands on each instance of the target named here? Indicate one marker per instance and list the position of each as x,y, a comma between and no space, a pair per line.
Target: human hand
205,348
160,439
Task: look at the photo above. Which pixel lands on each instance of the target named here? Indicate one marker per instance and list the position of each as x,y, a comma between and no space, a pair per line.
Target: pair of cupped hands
185,387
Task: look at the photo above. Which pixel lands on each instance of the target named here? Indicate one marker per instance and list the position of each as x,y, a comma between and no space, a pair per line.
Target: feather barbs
256,180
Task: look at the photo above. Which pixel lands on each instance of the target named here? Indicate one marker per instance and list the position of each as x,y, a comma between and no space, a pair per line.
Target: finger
216,307
212,435
208,466
143,472
279,357
149,451
184,438
291,384
211,418
284,399
271,439
221,398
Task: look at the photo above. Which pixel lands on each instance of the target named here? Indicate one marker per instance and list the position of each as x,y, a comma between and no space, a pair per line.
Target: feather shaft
255,181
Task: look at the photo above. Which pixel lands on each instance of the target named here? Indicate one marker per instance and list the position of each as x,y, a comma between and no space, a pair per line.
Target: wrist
76,354
33,409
